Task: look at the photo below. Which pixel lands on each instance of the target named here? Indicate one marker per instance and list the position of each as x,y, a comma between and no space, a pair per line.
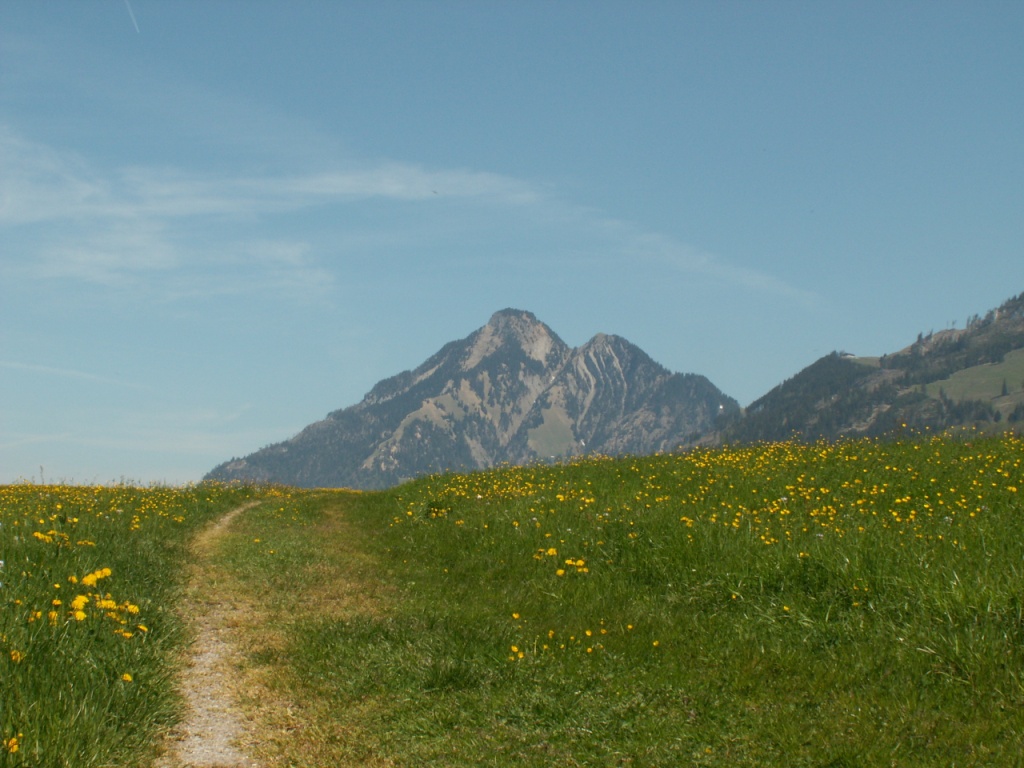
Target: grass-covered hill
973,377
848,604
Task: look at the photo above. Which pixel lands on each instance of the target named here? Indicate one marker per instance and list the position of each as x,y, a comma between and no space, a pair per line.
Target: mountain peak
511,391
514,327
510,315
606,340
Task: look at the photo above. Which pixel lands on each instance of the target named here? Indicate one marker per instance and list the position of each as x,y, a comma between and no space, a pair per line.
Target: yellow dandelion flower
126,677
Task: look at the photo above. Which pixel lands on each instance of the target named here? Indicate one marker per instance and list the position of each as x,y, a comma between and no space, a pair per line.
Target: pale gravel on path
210,735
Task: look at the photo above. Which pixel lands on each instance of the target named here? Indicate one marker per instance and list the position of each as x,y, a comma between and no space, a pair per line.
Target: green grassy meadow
89,631
986,382
850,604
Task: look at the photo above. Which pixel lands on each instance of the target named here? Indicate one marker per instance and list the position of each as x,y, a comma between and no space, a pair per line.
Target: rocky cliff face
514,392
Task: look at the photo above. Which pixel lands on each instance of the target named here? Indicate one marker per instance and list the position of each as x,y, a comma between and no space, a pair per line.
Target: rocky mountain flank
512,392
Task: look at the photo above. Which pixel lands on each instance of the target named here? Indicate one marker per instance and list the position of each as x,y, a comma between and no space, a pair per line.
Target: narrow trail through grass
210,736
259,570
289,564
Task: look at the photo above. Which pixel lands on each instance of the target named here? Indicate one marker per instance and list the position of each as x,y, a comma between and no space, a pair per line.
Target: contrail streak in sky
132,14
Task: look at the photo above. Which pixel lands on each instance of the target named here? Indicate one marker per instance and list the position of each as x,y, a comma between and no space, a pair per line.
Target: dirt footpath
214,733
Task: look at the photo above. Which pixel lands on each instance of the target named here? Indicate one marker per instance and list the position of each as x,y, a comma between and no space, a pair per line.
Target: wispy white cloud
121,254
626,242
284,268
122,228
407,182
66,373
38,183
687,259
17,440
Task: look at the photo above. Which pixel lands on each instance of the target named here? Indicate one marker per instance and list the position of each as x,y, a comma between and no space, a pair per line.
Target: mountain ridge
512,391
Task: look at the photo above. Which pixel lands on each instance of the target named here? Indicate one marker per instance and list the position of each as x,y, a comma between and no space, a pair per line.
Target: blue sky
221,220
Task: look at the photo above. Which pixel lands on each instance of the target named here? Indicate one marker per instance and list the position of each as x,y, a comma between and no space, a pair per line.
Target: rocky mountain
971,377
513,392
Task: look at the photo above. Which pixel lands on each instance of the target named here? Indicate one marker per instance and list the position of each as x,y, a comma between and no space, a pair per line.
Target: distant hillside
513,392
954,378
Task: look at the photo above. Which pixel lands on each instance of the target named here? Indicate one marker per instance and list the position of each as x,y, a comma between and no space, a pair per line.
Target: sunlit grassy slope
825,605
987,382
90,626
857,604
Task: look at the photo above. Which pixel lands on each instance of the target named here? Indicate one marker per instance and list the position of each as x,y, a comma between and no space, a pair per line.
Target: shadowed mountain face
510,392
